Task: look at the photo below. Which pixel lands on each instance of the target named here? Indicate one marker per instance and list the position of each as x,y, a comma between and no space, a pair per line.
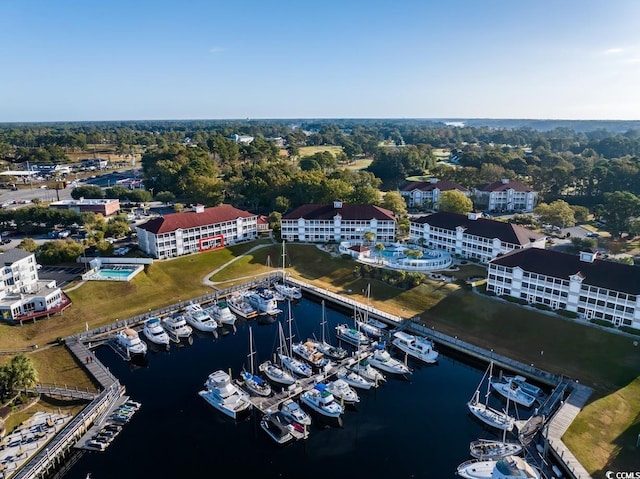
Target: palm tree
369,236
21,372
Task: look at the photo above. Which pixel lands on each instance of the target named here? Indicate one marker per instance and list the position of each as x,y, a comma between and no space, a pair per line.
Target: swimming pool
115,273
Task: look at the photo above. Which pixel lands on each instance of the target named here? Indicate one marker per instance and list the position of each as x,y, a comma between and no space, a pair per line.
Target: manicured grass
603,436
312,150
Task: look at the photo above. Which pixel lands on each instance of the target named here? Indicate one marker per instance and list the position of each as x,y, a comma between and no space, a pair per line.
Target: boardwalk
95,368
559,425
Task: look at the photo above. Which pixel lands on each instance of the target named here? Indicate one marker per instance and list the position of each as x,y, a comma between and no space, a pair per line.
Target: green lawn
312,150
608,362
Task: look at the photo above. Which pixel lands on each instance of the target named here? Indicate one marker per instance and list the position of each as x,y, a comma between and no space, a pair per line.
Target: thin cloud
613,51
216,50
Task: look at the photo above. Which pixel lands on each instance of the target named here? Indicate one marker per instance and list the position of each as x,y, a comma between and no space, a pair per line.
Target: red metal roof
348,212
442,185
191,219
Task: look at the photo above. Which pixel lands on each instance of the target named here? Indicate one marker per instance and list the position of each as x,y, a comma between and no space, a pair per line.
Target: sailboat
330,351
288,361
352,335
372,328
288,291
252,382
273,370
490,416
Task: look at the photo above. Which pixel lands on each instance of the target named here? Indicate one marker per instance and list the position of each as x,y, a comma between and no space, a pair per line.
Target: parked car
593,235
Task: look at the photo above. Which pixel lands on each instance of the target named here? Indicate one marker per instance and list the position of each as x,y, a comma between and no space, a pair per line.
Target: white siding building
23,295
505,195
427,194
590,287
338,222
194,231
472,236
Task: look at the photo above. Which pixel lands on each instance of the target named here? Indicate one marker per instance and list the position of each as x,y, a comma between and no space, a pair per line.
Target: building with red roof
505,195
472,236
427,193
200,229
338,222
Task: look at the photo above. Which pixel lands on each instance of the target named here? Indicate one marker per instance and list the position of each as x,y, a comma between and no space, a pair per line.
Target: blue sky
138,59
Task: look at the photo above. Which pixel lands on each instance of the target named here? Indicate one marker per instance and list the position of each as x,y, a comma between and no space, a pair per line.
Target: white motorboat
490,416
155,333
251,381
276,426
263,300
369,329
529,388
352,336
198,318
288,291
509,467
329,350
354,379
512,391
381,359
364,369
493,449
292,410
322,401
239,305
309,353
221,312
129,340
176,327
224,396
343,392
416,346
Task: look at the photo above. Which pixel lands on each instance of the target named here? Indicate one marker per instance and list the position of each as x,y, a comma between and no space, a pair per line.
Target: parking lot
62,274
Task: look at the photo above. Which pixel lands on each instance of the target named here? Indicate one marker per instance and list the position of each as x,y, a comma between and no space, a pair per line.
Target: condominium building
472,236
22,294
338,222
427,193
584,284
201,229
505,195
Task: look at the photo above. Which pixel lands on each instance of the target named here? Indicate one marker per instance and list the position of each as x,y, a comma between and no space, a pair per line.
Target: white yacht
416,346
529,388
322,401
294,412
364,369
352,336
381,359
221,312
224,396
129,340
509,467
239,305
354,379
490,416
512,391
343,392
176,326
199,319
263,300
155,333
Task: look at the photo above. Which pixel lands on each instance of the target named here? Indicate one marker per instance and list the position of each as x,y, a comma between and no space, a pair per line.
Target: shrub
567,314
542,307
629,329
602,322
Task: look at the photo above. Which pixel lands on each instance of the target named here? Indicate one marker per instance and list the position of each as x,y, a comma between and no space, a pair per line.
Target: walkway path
207,282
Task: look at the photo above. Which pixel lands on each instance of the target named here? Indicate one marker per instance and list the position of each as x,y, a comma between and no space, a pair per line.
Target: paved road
19,198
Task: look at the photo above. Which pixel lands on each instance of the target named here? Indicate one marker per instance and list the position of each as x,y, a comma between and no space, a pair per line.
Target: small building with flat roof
103,206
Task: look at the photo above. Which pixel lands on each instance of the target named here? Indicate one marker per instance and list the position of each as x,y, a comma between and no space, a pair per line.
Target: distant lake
407,428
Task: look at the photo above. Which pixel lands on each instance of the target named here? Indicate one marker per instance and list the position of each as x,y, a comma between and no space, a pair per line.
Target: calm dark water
408,428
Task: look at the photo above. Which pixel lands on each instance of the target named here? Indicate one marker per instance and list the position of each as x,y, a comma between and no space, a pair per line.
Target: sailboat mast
250,351
324,322
283,263
486,398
